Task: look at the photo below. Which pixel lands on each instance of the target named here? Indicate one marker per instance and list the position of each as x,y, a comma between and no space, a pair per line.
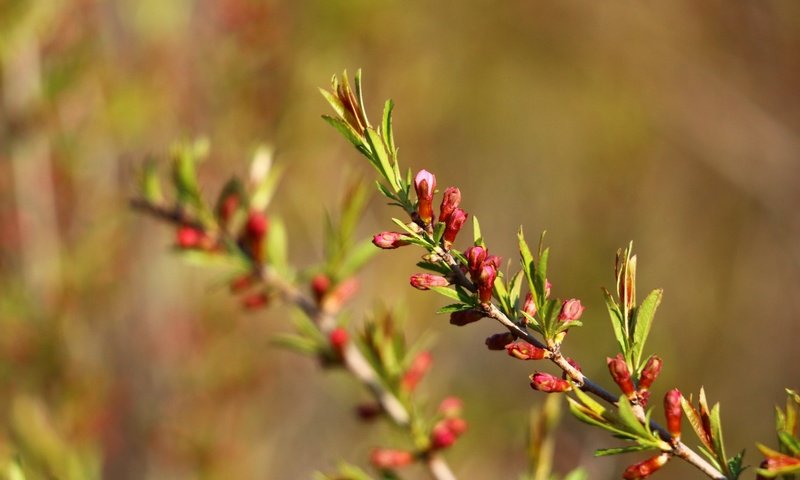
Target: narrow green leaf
333,101
514,289
526,259
616,321
604,452
296,343
406,228
386,126
149,182
357,257
643,319
454,307
540,275
382,157
351,135
792,444
477,238
277,246
716,435
438,232
447,292
629,419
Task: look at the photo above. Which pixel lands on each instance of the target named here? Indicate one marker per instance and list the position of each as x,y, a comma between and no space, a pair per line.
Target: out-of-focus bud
529,306
255,301
320,284
368,411
425,185
343,292
526,351
672,411
486,278
424,281
389,240
451,406
465,317
189,237
571,310
227,208
242,283
646,468
498,341
475,257
574,364
547,287
778,461
544,382
338,338
388,458
450,201
454,223
446,432
621,374
255,233
419,366
650,372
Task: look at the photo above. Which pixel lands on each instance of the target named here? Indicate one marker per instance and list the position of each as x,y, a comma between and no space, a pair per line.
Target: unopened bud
486,278
242,283
453,226
451,406
425,185
389,240
475,257
571,310
368,411
255,301
338,338
621,374
498,341
650,372
544,382
465,317
256,231
424,281
227,208
529,306
387,458
672,411
343,292
419,366
446,432
526,351
646,468
320,284
494,260
450,201
189,237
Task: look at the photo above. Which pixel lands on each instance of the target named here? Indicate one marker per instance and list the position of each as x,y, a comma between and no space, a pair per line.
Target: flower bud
465,317
227,208
529,306
255,232
242,283
486,278
526,351
494,260
650,372
544,382
424,281
672,411
389,240
621,374
446,432
453,226
498,341
340,294
419,366
571,310
338,339
388,458
451,406
255,301
368,411
425,185
646,468
450,201
189,237
320,284
475,257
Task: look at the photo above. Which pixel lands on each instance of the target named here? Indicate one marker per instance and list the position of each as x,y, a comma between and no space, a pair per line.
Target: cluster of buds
482,269
450,215
193,238
638,393
416,371
331,296
447,430
253,300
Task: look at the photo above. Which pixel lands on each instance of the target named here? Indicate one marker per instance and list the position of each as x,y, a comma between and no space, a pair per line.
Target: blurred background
673,124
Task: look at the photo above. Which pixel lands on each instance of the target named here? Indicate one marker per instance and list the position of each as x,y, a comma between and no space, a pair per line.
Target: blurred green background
672,123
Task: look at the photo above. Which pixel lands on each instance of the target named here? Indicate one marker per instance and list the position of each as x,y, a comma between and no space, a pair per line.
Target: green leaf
297,343
333,101
149,183
628,418
184,175
277,246
540,275
604,452
643,319
526,259
351,135
455,307
382,158
716,435
357,258
616,321
447,292
577,474
386,126
514,288
792,444
476,232
695,421
438,232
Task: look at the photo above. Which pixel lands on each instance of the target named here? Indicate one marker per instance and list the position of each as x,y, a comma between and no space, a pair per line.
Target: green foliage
707,424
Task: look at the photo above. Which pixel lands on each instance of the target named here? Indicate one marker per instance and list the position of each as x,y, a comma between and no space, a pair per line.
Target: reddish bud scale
498,341
242,283
465,317
189,237
475,257
621,375
650,372
526,351
529,306
343,292
386,458
646,468
494,260
424,281
453,226
389,240
320,284
255,301
450,201
544,382
425,185
571,310
338,339
368,411
486,278
672,411
451,406
419,366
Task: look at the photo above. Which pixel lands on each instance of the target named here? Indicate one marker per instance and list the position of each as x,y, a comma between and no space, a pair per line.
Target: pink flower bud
338,338
494,260
255,301
646,468
257,225
544,382
465,317
526,351
672,411
649,373
456,425
571,310
419,366
389,240
425,185
424,281
450,201
451,406
387,458
498,341
486,278
189,237
621,374
475,257
529,306
454,224
320,284
446,432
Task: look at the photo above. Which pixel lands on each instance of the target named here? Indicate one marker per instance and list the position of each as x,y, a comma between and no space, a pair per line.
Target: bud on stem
646,468
425,185
389,240
526,351
450,201
544,382
650,372
424,281
621,375
454,223
672,411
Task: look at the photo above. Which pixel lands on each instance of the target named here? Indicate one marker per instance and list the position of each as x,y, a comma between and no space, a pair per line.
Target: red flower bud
529,306
368,411
494,260
387,458
446,432
450,201
672,410
621,374
389,240
241,283
498,341
189,237
320,284
571,310
255,301
227,208
646,468
526,351
451,406
343,292
425,185
465,317
419,366
544,382
338,338
475,257
454,224
255,232
424,281
650,372
486,278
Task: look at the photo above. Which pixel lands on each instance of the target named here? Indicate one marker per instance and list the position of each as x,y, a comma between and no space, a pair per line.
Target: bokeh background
674,124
